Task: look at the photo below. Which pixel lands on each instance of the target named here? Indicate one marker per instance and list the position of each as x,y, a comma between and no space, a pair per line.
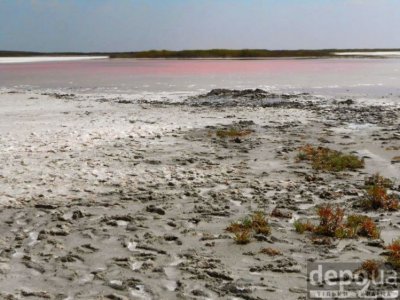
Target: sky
134,25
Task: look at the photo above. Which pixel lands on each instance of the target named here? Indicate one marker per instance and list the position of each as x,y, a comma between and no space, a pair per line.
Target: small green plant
247,222
344,233
242,236
302,227
326,159
378,180
394,254
260,223
243,230
361,225
302,156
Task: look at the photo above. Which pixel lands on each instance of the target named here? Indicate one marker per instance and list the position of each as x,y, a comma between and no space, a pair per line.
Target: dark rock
40,294
77,214
45,206
155,209
234,289
376,243
170,238
347,102
116,297
33,265
219,275
199,293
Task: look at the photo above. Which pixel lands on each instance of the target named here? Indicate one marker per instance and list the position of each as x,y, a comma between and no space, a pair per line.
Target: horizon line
205,49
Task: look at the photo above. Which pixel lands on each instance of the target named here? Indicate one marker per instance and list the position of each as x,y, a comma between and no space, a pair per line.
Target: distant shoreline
33,59
217,54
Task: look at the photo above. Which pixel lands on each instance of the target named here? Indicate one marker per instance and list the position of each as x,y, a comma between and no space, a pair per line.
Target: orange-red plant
360,225
331,224
394,253
330,220
368,229
244,229
379,198
371,268
260,223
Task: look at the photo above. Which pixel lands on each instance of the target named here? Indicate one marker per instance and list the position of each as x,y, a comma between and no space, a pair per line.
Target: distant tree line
229,53
210,53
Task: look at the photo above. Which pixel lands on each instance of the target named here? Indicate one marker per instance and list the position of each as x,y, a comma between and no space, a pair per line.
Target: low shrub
370,268
330,220
361,225
260,224
302,227
332,224
244,229
326,159
394,254
378,197
242,236
378,180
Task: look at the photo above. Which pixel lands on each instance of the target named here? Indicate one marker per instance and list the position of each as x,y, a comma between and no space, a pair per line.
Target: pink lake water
341,76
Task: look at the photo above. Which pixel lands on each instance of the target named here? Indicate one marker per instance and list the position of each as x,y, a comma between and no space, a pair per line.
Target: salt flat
129,198
377,53
33,59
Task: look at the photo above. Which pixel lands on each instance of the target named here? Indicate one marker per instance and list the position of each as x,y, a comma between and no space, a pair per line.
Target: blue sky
129,25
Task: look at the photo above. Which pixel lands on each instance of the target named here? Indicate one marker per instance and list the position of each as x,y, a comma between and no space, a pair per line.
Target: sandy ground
106,198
